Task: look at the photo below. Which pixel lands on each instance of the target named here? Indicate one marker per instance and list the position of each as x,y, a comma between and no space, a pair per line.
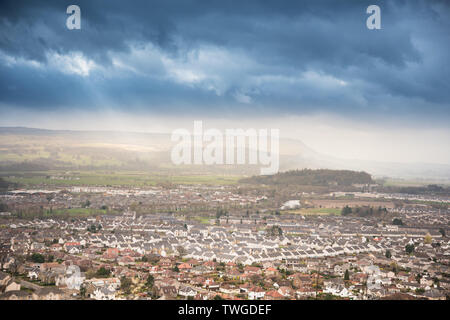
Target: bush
388,254
125,284
150,281
103,273
37,258
420,290
409,248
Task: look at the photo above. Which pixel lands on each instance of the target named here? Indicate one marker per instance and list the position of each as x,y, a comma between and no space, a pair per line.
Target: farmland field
138,179
315,211
202,220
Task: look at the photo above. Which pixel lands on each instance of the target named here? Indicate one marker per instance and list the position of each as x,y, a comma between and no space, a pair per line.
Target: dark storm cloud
236,56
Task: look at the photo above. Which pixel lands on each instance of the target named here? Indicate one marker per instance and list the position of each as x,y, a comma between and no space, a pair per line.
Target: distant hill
28,149
307,177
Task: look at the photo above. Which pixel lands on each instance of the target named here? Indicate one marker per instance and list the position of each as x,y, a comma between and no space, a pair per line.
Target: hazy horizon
326,135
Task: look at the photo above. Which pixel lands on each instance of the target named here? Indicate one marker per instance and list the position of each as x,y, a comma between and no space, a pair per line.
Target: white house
103,294
186,291
255,293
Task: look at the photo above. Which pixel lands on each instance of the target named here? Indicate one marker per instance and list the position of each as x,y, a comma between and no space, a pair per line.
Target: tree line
321,177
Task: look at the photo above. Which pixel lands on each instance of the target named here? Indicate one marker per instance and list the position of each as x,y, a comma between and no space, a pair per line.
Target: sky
310,68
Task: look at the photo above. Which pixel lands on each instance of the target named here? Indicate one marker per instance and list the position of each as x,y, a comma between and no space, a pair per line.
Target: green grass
412,183
203,220
137,179
315,211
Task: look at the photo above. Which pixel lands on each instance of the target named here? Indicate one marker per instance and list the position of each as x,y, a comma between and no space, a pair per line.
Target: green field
203,220
137,179
314,211
413,183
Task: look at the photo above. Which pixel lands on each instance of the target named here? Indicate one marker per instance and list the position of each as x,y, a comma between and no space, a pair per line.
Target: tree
418,277
175,269
394,267
49,197
152,258
3,207
86,204
442,232
91,273
255,279
181,251
436,282
388,254
83,291
103,273
409,248
221,212
420,290
150,281
275,231
37,258
428,239
397,222
346,275
217,297
3,260
346,211
125,285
